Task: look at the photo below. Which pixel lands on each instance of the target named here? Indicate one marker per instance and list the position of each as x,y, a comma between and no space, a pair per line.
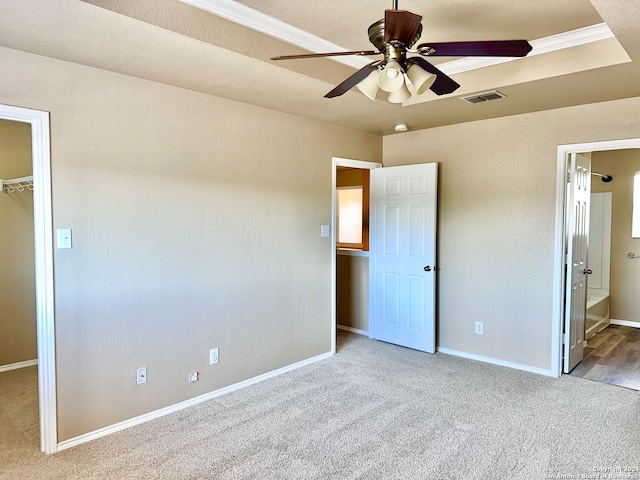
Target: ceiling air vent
483,97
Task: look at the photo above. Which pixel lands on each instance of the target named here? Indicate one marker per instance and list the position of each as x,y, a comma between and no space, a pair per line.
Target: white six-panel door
405,250
579,191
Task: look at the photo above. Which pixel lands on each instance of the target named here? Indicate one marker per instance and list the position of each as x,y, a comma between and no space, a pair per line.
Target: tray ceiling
194,44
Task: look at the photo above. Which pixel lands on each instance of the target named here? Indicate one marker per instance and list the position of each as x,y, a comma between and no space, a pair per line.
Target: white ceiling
177,43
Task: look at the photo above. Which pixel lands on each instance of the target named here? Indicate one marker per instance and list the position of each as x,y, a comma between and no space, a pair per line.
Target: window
352,209
349,215
635,219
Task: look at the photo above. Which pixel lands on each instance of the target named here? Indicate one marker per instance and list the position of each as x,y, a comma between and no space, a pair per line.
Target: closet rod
16,184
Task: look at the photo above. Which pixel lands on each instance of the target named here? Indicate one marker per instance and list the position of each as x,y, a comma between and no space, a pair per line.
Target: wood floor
612,356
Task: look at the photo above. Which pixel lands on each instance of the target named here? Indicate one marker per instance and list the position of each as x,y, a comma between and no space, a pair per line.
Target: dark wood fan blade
329,54
443,84
351,82
401,25
491,48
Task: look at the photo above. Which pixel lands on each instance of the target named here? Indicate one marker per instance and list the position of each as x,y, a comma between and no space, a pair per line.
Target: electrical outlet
213,356
141,375
193,377
479,328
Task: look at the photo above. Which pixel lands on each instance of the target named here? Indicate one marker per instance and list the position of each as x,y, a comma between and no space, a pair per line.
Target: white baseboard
626,323
352,330
72,442
496,361
16,366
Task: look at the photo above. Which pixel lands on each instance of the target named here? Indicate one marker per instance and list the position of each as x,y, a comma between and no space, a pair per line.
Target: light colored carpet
373,411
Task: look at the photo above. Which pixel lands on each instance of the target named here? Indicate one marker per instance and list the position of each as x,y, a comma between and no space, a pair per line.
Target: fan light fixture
395,79
369,86
420,78
391,77
394,36
400,95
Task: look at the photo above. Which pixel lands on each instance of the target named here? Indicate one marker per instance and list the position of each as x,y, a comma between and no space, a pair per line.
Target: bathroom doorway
611,349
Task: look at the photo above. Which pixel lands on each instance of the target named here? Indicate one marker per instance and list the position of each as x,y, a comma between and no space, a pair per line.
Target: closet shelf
16,184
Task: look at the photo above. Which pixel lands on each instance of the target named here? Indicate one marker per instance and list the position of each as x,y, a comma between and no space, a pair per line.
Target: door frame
43,240
361,164
559,277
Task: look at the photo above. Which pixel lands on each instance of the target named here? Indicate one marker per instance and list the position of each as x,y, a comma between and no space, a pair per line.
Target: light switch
324,230
64,238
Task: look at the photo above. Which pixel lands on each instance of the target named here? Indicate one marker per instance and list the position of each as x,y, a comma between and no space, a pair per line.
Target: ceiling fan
394,37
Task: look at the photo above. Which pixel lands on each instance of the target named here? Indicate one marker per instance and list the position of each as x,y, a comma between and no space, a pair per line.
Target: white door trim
346,162
559,275
43,239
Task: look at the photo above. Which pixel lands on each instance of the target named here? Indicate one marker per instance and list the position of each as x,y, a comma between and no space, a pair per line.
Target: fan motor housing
376,36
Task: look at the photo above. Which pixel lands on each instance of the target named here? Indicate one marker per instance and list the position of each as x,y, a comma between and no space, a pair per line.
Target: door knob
427,268
587,271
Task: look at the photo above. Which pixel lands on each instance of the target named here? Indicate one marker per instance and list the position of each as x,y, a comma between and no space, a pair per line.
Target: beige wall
17,271
196,224
496,229
352,296
625,273
349,177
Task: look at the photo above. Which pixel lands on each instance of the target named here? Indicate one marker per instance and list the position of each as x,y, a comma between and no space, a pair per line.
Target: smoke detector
483,97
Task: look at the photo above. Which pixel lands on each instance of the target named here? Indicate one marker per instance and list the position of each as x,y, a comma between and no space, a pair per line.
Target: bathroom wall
17,277
625,273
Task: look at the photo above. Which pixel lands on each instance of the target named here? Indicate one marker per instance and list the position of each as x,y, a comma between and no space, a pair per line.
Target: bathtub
597,317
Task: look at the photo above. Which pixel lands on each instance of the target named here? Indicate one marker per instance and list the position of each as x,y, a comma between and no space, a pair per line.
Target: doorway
18,346
401,268
610,352
17,282
43,249
350,267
